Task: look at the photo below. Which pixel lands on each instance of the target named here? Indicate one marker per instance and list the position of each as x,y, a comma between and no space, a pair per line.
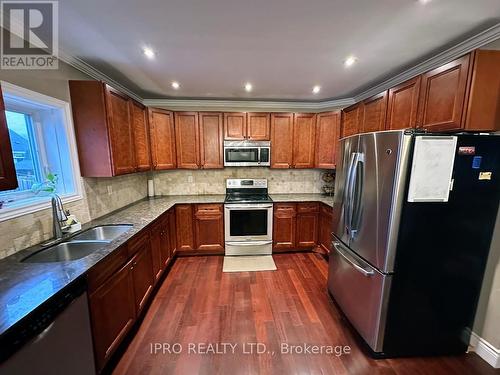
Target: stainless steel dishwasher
55,340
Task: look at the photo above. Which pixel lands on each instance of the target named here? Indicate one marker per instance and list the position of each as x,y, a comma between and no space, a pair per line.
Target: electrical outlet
110,189
190,179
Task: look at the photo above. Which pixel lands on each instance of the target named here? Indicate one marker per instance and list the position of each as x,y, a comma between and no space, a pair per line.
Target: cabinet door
162,134
8,178
187,138
327,138
259,126
307,225
120,132
211,140
184,224
442,96
235,126
112,310
172,232
402,105
166,245
325,228
140,133
142,276
281,140
284,225
374,113
351,117
156,250
209,228
304,140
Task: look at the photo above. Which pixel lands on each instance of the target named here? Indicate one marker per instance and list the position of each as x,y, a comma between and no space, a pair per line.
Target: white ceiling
283,47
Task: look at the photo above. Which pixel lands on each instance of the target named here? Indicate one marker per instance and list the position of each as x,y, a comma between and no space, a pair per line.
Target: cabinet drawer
138,242
326,210
106,267
308,207
208,209
284,207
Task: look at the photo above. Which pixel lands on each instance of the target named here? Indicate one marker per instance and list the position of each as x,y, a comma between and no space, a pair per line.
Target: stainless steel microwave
247,154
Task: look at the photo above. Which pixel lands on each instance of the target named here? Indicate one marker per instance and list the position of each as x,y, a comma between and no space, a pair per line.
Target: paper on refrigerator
432,168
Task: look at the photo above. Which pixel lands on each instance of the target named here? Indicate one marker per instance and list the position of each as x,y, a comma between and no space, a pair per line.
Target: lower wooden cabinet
142,275
307,225
284,224
185,230
113,312
172,231
325,228
209,227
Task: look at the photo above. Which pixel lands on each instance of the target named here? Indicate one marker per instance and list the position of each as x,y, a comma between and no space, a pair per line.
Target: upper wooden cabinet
402,105
374,113
211,140
8,178
258,126
252,126
187,138
140,132
351,119
327,137
235,126
304,140
103,127
483,107
442,96
281,140
162,135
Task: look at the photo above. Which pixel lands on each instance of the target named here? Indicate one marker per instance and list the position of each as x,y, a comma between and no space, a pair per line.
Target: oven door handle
249,243
250,206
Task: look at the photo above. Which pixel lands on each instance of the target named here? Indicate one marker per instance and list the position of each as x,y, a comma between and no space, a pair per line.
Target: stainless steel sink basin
65,251
102,233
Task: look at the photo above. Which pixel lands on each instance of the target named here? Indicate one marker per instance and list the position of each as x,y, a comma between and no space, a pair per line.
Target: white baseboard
485,350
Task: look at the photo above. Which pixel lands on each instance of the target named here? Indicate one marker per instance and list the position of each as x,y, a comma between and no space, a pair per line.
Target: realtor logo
29,35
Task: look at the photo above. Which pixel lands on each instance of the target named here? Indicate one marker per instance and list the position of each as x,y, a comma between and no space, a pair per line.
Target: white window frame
39,203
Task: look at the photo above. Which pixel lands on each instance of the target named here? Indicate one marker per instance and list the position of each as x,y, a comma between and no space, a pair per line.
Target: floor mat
248,263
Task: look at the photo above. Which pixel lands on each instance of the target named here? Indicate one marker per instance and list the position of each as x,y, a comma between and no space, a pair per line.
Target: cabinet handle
131,268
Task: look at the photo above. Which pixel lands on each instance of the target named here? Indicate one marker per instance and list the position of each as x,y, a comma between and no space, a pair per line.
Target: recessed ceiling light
349,61
248,87
424,1
148,52
176,85
316,89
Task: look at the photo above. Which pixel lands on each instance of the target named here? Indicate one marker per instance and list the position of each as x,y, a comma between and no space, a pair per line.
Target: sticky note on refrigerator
432,168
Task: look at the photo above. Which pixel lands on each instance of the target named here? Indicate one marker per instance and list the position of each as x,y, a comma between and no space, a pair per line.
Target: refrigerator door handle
366,272
348,194
357,189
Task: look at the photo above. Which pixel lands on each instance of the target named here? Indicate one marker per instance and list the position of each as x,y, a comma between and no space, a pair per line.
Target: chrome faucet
58,216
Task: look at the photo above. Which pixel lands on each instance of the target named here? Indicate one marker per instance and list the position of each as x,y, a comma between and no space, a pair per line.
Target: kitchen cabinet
184,226
351,119
442,96
284,225
156,249
162,135
307,225
187,139
281,140
140,132
211,140
374,113
327,138
113,312
8,178
142,275
258,126
103,128
235,126
172,231
402,105
209,228
325,228
304,140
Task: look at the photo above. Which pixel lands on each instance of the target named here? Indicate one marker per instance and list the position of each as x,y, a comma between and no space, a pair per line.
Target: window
42,140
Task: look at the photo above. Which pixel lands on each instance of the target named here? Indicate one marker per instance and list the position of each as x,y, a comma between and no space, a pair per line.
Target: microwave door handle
258,155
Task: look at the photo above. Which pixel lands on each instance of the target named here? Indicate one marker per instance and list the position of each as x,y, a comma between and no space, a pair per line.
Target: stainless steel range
248,217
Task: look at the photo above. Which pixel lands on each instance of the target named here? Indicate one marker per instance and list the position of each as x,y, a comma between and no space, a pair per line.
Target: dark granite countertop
26,286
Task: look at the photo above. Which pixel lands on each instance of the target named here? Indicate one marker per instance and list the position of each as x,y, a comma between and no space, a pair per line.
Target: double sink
79,246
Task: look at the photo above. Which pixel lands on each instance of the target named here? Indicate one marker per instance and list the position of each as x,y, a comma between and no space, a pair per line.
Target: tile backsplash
192,182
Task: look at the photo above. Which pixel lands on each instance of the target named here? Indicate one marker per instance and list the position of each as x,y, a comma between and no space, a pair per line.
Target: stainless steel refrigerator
413,221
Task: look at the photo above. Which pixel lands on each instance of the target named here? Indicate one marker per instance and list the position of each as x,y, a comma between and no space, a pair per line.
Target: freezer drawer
361,292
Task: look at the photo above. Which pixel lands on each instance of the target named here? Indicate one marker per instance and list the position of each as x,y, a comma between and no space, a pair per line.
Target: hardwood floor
198,304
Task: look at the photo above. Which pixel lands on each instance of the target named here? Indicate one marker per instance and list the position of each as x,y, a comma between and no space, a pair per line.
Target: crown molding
484,37
89,70
247,105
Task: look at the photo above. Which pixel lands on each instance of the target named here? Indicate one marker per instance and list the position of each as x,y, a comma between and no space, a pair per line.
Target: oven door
241,156
248,222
